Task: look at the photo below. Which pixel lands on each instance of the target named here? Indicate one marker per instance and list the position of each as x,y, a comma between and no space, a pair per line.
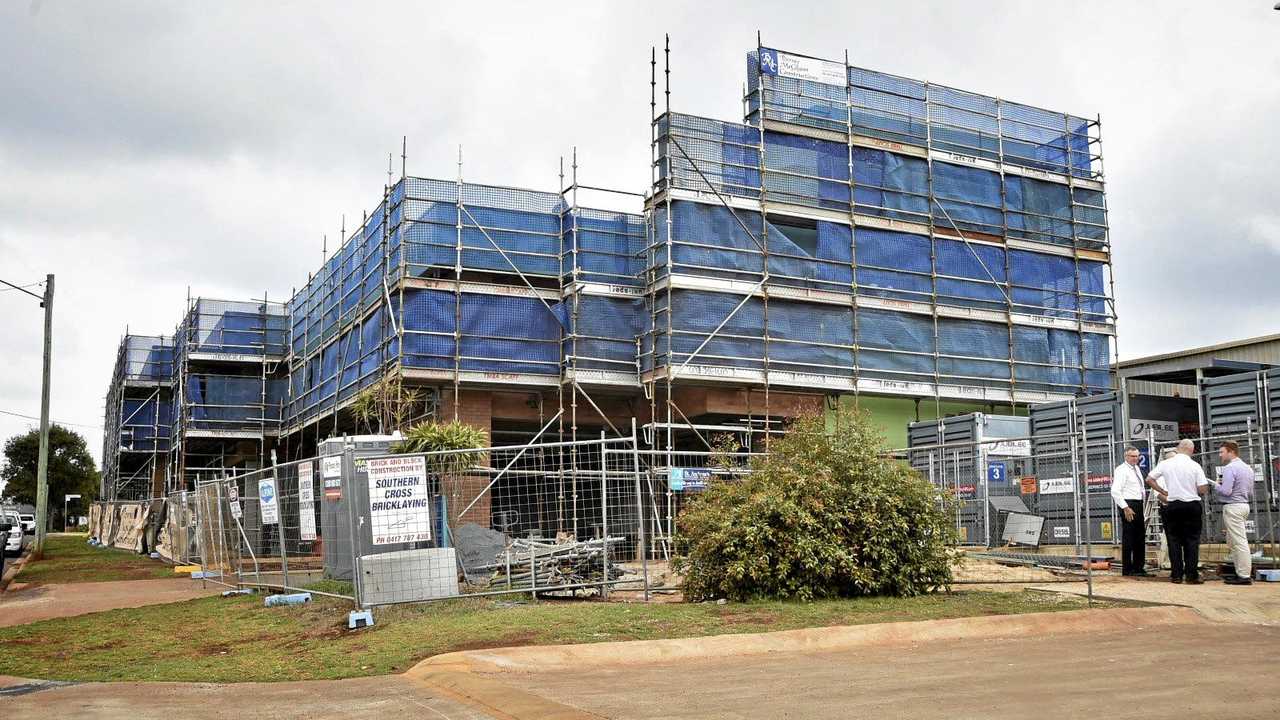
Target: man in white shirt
1127,493
1181,481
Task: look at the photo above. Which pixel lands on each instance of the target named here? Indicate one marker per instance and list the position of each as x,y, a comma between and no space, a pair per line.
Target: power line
23,288
60,422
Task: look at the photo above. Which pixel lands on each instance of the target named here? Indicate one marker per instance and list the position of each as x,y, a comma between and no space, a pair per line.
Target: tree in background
71,469
825,514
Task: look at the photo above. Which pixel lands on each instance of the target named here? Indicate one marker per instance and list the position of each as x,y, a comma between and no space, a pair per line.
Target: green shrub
825,514
430,437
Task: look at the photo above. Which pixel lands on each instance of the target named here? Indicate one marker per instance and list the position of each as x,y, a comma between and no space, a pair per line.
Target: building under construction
857,237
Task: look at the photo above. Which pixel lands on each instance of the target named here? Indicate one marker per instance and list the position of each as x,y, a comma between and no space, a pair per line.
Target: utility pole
42,471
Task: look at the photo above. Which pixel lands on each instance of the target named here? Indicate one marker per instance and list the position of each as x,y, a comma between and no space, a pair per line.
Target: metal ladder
1155,530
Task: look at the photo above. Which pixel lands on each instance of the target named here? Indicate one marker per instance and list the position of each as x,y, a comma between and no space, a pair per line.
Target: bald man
1181,482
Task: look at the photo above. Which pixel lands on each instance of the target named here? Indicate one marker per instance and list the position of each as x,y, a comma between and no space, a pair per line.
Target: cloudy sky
148,148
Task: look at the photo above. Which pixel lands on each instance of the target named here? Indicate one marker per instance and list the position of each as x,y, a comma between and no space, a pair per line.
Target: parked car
28,523
15,540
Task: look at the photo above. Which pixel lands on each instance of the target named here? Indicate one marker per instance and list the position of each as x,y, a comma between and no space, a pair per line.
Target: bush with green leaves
825,514
435,437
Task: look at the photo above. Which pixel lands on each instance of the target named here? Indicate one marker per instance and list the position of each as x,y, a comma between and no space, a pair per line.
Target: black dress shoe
1176,581
1238,581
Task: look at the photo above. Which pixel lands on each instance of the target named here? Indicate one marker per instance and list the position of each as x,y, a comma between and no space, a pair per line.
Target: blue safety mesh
890,185
708,155
967,198
981,266
904,110
604,332
220,402
144,424
1043,284
498,333
804,171
893,264
802,337
603,246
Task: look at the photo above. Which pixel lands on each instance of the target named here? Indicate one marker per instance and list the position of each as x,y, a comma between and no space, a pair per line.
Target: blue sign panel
996,472
689,479
769,61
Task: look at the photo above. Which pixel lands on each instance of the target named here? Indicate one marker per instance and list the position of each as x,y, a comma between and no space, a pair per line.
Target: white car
28,523
15,540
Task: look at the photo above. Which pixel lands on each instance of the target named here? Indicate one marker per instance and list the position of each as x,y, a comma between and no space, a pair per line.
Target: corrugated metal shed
1177,374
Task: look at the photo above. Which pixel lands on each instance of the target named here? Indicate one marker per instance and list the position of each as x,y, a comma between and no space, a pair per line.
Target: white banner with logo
1056,486
306,502
799,67
1162,430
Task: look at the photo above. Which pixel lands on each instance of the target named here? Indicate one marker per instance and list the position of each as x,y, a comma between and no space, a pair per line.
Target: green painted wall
893,414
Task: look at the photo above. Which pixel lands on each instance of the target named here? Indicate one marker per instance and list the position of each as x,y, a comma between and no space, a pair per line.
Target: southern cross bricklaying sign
399,500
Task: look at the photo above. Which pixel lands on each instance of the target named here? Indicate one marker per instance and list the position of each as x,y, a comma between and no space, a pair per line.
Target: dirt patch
977,570
515,640
761,618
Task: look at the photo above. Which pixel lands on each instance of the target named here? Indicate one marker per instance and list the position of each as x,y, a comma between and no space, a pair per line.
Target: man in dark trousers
1181,481
1127,491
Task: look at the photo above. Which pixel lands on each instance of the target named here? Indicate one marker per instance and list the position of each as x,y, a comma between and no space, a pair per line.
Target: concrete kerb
826,639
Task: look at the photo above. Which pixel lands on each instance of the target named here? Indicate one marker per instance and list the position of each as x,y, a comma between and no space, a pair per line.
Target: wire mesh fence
592,518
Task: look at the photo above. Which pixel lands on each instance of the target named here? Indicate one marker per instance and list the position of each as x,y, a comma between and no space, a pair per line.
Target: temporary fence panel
284,532
539,518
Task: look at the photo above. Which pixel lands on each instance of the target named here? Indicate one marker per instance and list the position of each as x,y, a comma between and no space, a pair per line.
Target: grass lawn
70,559
237,639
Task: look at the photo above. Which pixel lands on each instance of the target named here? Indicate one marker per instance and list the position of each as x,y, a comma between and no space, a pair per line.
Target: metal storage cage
1075,439
977,457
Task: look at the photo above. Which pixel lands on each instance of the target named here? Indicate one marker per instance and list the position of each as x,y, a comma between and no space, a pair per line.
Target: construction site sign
399,500
269,501
1056,486
800,67
306,502
331,472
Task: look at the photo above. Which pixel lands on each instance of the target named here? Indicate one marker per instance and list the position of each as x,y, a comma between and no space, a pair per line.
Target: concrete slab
22,605
824,639
1257,604
1112,674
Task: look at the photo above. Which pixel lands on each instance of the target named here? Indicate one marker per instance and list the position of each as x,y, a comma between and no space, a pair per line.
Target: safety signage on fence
331,471
306,502
399,500
269,501
688,479
1028,485
1056,486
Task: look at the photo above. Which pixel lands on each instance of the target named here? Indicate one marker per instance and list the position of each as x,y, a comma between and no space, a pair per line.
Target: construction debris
530,564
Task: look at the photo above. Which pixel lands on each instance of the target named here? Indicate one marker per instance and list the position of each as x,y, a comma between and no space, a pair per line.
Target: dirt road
1110,675
389,697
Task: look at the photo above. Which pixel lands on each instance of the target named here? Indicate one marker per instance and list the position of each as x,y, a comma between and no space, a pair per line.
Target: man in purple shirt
1234,490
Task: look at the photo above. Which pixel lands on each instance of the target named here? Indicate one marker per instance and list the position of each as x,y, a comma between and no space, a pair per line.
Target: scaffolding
227,392
858,233
450,284
138,405
866,233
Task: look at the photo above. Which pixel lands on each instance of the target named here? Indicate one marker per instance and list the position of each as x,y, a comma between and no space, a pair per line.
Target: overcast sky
150,147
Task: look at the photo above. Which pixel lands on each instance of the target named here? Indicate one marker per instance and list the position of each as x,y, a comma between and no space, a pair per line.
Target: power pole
42,470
